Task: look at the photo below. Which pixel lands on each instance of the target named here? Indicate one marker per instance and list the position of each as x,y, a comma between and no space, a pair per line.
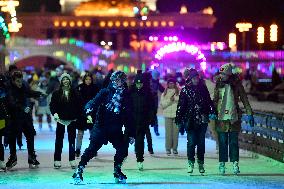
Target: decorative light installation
243,27
4,28
260,35
232,40
273,32
9,6
182,46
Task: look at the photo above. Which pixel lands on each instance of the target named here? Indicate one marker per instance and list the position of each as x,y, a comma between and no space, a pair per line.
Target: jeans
196,137
228,139
60,130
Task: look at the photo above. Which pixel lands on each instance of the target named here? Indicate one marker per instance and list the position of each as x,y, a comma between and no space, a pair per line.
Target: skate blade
118,181
13,165
31,166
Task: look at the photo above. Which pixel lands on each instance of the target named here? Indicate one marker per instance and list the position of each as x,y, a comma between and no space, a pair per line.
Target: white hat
65,75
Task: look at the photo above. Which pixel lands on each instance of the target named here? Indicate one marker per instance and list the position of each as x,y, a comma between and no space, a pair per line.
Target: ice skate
201,168
236,169
222,168
119,177
33,163
78,175
140,166
190,167
12,161
73,164
2,165
57,164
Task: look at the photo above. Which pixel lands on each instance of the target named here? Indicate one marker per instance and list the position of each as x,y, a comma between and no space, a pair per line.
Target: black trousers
139,142
196,137
1,145
16,128
231,140
60,130
149,139
98,138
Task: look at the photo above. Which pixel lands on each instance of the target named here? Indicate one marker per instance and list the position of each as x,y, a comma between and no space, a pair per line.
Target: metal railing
266,137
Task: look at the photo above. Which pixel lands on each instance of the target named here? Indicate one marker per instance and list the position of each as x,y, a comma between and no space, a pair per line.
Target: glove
131,140
212,117
251,120
89,119
56,116
27,109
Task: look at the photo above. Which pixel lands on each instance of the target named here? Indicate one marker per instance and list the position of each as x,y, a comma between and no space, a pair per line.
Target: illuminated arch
182,46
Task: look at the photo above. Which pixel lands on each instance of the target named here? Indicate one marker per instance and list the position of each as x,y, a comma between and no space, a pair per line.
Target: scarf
115,103
226,105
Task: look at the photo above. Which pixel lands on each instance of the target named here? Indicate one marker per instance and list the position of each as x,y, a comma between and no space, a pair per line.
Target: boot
140,166
78,175
222,168
190,166
57,164
12,161
73,164
236,168
201,167
119,177
2,165
33,163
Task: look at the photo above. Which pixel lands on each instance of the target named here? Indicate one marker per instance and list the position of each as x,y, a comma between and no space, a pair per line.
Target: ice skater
110,109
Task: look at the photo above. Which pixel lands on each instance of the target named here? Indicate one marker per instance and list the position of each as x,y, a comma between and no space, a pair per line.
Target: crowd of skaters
104,103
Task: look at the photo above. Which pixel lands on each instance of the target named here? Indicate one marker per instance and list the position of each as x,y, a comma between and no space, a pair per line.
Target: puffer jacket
239,94
169,107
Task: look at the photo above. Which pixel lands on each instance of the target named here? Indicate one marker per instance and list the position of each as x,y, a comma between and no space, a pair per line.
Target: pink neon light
182,46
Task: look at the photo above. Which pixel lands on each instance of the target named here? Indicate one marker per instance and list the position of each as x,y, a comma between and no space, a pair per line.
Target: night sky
228,12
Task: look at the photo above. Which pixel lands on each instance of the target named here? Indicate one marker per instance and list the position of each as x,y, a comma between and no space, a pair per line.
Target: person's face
171,85
88,80
139,85
118,83
195,80
224,77
66,82
18,82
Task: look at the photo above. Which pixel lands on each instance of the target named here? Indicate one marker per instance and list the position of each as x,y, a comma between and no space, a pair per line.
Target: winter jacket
239,94
19,99
4,113
142,106
86,92
194,106
67,110
169,107
108,120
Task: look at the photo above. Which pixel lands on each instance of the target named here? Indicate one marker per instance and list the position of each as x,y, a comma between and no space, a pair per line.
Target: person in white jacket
169,100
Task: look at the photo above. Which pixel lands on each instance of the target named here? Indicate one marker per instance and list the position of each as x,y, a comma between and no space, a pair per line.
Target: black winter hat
192,73
138,78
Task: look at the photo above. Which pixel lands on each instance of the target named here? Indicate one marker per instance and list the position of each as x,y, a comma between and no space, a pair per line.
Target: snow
160,170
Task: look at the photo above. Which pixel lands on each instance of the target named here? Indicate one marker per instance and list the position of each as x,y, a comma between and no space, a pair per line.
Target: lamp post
243,28
141,12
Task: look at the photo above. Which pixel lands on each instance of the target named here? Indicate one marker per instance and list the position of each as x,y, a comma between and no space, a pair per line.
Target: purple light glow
182,46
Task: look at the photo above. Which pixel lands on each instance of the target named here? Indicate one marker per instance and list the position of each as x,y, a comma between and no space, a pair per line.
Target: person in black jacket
87,90
65,107
142,113
20,108
194,108
4,118
111,111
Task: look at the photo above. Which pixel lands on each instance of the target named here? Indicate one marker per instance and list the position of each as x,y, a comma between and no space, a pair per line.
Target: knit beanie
118,75
192,73
138,78
226,69
65,75
171,80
